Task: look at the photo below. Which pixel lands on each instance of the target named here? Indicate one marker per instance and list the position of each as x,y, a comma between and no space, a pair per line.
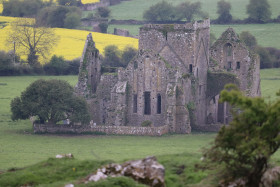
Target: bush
189,10
103,12
58,66
248,39
103,27
243,149
146,123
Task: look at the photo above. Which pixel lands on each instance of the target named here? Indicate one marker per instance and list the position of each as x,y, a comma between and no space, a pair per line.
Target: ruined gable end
89,72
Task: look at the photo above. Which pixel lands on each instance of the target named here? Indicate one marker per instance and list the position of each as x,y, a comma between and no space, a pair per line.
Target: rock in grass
65,156
146,171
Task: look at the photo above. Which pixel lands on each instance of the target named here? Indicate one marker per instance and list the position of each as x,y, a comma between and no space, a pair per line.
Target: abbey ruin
174,81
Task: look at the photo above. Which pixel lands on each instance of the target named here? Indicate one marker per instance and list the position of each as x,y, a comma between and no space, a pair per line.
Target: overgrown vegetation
243,149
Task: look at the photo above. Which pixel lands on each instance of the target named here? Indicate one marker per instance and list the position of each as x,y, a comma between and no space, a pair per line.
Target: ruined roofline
203,24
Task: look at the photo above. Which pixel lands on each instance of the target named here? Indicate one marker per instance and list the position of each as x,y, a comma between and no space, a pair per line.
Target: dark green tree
248,39
243,148
103,12
259,10
112,56
72,20
50,101
224,12
127,55
162,11
103,27
189,10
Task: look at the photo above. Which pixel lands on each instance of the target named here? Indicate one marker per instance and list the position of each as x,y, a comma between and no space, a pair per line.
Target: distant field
19,148
134,9
71,42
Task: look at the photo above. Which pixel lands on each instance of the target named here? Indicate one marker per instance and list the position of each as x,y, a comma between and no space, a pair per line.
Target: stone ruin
174,80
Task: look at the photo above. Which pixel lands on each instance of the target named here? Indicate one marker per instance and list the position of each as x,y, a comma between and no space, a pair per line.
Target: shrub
242,150
146,123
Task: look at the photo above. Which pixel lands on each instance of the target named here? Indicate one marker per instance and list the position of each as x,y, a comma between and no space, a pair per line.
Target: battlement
203,24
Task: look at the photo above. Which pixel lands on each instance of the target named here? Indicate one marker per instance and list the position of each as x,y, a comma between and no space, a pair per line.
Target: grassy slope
134,9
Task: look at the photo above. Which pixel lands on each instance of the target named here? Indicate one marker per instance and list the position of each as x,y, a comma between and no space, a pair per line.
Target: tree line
11,64
258,12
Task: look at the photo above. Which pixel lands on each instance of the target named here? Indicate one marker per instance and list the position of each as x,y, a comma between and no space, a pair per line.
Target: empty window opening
237,65
147,102
135,103
197,72
159,104
190,68
200,89
229,65
228,48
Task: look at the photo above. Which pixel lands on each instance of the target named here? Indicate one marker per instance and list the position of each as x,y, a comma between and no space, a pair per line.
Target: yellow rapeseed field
89,1
71,42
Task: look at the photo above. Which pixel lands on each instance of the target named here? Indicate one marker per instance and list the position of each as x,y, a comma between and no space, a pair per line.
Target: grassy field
134,9
19,147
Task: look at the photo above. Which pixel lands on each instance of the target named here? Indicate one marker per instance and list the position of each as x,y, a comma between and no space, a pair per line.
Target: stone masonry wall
115,130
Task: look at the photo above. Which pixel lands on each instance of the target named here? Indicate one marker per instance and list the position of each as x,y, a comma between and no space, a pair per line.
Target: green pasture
20,148
267,35
134,9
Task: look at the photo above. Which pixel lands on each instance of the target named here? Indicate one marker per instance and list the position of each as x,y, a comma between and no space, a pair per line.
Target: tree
259,10
188,10
18,8
243,148
72,20
50,101
112,56
127,55
31,40
224,12
248,39
161,11
103,12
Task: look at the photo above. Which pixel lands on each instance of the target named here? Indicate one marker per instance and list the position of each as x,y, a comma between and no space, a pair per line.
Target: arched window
237,65
147,102
228,49
159,104
190,68
229,66
135,103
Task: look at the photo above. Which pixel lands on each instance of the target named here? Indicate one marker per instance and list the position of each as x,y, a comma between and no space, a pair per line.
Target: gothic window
237,65
190,68
159,104
229,65
228,48
147,102
135,103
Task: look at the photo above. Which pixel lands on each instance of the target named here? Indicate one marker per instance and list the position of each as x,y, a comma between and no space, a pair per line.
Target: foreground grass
180,170
20,148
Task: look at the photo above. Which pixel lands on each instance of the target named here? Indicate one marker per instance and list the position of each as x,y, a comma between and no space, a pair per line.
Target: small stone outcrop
65,156
146,171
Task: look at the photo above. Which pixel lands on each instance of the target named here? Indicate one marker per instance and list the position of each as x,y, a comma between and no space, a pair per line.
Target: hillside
71,42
